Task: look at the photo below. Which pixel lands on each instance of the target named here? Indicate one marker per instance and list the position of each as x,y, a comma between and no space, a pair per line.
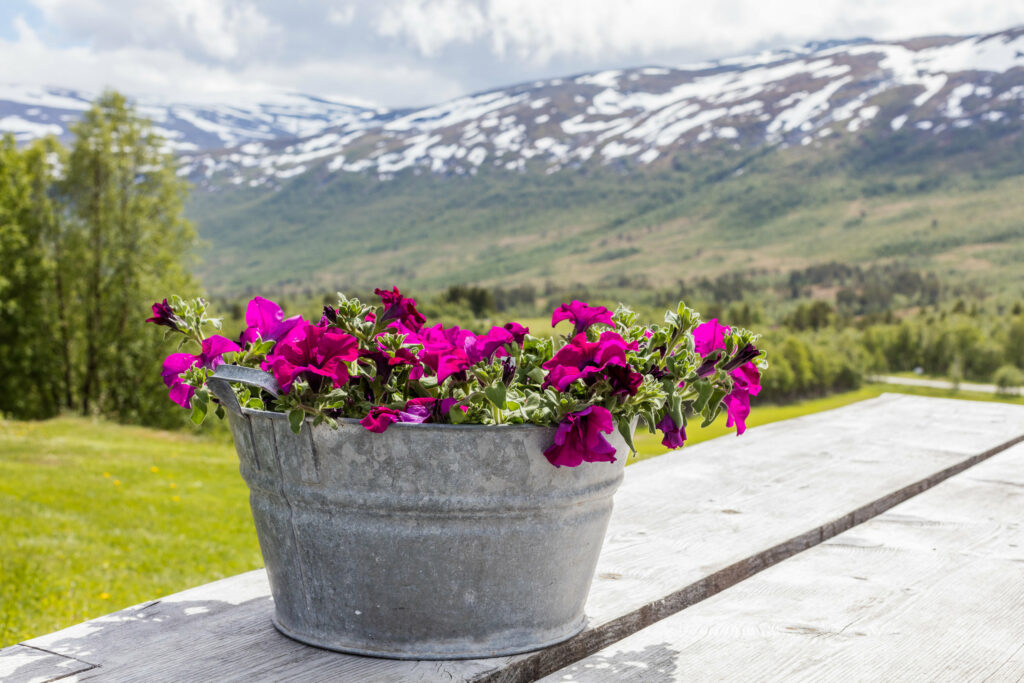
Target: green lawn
95,516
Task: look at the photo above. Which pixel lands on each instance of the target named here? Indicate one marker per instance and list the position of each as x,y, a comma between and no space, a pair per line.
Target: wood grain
932,590
32,665
686,526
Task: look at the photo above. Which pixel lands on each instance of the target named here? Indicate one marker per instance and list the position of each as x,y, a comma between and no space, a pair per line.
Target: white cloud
431,25
540,30
221,30
170,75
415,52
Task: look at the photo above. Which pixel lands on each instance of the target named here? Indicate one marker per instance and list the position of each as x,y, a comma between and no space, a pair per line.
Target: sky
400,53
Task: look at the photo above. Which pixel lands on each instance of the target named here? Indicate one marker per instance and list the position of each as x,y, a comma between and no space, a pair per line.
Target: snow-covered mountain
645,115
33,111
641,116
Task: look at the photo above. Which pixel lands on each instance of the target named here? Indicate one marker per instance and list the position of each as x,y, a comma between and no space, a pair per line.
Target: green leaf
537,375
626,432
704,392
715,401
496,394
200,406
295,419
457,415
711,417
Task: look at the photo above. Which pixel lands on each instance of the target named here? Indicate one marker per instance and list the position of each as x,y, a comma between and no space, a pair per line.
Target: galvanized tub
424,542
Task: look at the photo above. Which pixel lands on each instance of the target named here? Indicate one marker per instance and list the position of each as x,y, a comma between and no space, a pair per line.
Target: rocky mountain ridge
646,116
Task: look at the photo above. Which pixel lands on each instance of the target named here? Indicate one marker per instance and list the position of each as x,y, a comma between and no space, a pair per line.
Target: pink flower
674,435
623,380
579,359
746,383
315,352
484,347
518,332
579,438
209,358
582,316
265,320
416,410
400,308
710,336
378,419
164,315
444,350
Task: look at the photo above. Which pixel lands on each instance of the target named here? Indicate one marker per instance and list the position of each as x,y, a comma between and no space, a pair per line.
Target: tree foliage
91,236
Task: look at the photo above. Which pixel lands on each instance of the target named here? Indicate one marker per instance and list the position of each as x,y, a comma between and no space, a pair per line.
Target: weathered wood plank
931,590
686,526
23,663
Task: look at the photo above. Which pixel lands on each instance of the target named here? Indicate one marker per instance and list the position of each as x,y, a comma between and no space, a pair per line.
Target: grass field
95,516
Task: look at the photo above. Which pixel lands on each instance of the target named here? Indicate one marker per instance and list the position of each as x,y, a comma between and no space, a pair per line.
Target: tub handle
225,374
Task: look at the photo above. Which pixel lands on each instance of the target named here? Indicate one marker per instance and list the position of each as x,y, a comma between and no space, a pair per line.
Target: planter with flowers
428,492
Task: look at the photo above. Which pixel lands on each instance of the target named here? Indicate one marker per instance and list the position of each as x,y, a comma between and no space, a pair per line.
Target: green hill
951,204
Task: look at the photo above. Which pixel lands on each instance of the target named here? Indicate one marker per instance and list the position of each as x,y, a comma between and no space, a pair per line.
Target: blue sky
413,52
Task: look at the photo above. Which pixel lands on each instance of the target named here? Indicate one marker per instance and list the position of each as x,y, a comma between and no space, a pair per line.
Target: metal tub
426,541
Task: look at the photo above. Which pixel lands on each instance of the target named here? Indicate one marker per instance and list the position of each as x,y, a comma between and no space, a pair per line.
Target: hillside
853,151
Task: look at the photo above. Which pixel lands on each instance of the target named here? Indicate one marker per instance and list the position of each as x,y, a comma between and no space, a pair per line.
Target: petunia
581,315
378,419
623,380
416,410
581,358
746,383
744,355
265,320
710,336
164,315
674,435
444,350
518,332
400,308
209,358
174,365
315,352
579,438
484,347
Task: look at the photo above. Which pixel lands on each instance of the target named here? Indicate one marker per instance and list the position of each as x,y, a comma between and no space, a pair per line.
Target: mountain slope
859,152
853,151
645,116
29,112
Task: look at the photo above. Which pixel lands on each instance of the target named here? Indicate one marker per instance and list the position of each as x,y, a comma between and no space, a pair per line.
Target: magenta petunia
710,336
444,350
746,383
581,359
209,358
174,365
164,315
416,410
378,419
518,332
400,308
581,315
265,320
454,350
674,435
623,380
579,438
316,352
484,347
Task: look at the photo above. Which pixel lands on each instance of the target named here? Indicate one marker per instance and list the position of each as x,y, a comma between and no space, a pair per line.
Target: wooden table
778,554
